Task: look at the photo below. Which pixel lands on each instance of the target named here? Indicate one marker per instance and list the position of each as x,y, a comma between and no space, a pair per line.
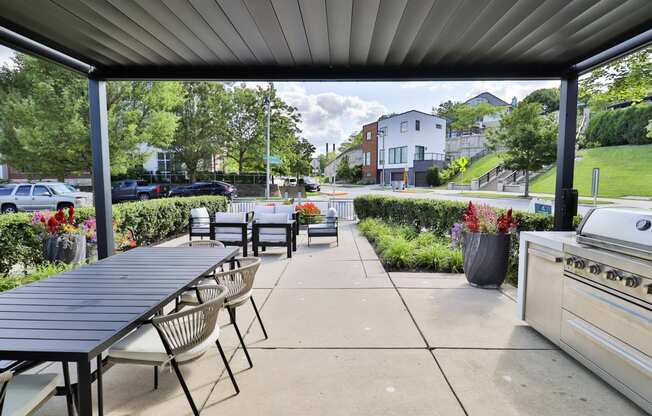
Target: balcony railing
430,156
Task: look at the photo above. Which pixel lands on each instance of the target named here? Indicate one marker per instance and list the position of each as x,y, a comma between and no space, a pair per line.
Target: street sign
595,184
273,160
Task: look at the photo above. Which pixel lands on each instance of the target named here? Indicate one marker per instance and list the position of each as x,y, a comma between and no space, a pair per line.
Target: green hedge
619,126
439,216
151,221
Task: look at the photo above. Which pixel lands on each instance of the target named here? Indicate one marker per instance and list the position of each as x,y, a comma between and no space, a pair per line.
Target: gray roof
491,99
323,39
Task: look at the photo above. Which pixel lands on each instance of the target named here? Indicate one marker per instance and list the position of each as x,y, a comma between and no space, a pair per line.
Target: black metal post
566,206
101,167
84,380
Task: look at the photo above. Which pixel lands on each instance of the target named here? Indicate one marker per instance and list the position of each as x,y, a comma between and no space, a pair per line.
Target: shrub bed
150,221
438,217
403,248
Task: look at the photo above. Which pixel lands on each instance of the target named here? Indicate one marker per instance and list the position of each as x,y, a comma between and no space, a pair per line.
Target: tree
447,110
625,79
44,129
343,171
467,116
432,176
354,140
528,137
202,124
547,97
325,159
298,159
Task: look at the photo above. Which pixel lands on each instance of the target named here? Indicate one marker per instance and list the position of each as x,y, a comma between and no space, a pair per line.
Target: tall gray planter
486,258
69,248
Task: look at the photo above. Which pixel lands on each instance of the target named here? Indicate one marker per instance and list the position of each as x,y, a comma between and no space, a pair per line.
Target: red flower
506,223
470,218
52,225
60,216
71,215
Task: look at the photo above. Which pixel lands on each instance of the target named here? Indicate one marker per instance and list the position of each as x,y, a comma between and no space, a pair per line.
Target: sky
331,111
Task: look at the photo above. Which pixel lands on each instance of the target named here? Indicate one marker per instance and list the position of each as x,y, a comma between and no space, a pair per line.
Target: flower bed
402,248
149,221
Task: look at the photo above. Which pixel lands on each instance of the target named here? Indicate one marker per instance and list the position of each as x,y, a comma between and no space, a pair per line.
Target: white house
355,159
408,144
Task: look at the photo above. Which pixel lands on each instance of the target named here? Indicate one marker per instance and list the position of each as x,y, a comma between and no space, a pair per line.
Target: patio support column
99,128
565,204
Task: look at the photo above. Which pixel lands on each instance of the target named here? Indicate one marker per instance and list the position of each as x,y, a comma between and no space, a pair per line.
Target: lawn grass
478,168
624,171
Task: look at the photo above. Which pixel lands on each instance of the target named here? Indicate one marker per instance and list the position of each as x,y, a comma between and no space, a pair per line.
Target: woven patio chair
239,283
202,243
176,338
24,394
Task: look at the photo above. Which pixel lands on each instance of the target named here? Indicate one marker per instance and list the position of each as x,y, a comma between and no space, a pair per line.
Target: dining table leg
84,388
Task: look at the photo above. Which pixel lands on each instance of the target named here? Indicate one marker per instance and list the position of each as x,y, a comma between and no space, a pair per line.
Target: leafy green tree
529,139
298,160
432,176
547,97
354,140
44,129
343,171
467,116
625,79
325,159
202,124
447,109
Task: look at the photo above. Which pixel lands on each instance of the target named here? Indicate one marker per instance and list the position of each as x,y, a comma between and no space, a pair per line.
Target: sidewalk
347,338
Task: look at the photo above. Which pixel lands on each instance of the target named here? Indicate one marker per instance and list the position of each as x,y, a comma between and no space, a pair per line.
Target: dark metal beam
565,203
23,44
101,167
331,73
630,45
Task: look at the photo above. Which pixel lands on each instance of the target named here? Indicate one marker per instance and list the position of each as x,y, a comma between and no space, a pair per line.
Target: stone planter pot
67,248
486,257
91,252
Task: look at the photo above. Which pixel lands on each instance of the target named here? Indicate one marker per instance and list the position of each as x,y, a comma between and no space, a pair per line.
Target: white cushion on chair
262,210
272,238
286,209
145,345
231,236
272,219
230,217
27,392
200,220
199,213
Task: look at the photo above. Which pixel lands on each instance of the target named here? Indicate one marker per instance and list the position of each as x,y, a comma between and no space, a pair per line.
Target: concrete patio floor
347,338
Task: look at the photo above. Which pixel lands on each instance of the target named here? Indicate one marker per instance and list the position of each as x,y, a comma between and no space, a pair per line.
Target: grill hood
620,229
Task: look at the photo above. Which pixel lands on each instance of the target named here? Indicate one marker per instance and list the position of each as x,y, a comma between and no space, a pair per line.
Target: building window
164,162
367,159
417,125
438,126
419,152
368,135
381,157
404,126
398,155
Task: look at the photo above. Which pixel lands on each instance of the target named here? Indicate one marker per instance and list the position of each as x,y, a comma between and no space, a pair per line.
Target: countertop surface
551,239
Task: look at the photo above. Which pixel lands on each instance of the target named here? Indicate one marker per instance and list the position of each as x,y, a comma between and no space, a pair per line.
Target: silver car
34,197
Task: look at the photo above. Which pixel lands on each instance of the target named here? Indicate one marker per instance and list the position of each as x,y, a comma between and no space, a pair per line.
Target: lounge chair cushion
331,216
230,237
200,221
26,393
230,217
272,238
272,219
144,345
261,210
286,209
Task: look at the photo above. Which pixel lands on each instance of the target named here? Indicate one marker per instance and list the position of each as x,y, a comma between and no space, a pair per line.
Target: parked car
131,190
310,183
290,182
34,197
206,188
62,188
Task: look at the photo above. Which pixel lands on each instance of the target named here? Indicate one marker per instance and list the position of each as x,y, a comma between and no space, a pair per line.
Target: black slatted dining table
76,315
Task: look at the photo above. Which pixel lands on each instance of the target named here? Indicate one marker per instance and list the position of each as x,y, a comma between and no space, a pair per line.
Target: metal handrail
431,156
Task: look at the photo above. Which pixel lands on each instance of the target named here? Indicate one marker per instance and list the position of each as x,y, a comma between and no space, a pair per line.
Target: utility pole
269,110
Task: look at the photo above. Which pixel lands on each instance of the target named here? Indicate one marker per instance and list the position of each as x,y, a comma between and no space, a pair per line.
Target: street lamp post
382,134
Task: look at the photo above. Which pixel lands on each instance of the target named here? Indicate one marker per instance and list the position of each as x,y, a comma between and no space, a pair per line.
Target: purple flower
456,234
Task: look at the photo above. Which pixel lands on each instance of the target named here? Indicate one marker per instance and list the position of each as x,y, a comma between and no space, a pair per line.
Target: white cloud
5,56
329,117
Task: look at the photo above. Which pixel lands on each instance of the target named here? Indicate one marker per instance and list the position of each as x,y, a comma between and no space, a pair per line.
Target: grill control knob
579,264
595,269
612,275
570,261
632,281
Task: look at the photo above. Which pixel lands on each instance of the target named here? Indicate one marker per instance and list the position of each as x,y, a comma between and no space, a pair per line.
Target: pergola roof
327,39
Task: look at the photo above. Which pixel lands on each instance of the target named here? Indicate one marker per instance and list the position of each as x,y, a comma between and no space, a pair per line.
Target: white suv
34,197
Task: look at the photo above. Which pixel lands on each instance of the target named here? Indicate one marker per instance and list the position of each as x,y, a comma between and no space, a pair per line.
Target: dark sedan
205,188
310,183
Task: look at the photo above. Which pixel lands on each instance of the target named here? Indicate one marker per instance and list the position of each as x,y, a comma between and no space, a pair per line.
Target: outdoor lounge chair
199,223
239,282
328,228
274,230
231,229
24,394
177,338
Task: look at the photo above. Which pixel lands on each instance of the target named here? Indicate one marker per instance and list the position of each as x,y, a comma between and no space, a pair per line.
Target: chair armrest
249,216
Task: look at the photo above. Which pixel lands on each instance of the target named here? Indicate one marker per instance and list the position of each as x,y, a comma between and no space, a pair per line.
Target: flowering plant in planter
307,212
485,238
63,240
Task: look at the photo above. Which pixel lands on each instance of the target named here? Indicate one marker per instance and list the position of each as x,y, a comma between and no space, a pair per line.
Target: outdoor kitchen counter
548,243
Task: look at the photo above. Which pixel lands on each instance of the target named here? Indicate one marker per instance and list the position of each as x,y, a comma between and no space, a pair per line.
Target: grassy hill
478,168
624,171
